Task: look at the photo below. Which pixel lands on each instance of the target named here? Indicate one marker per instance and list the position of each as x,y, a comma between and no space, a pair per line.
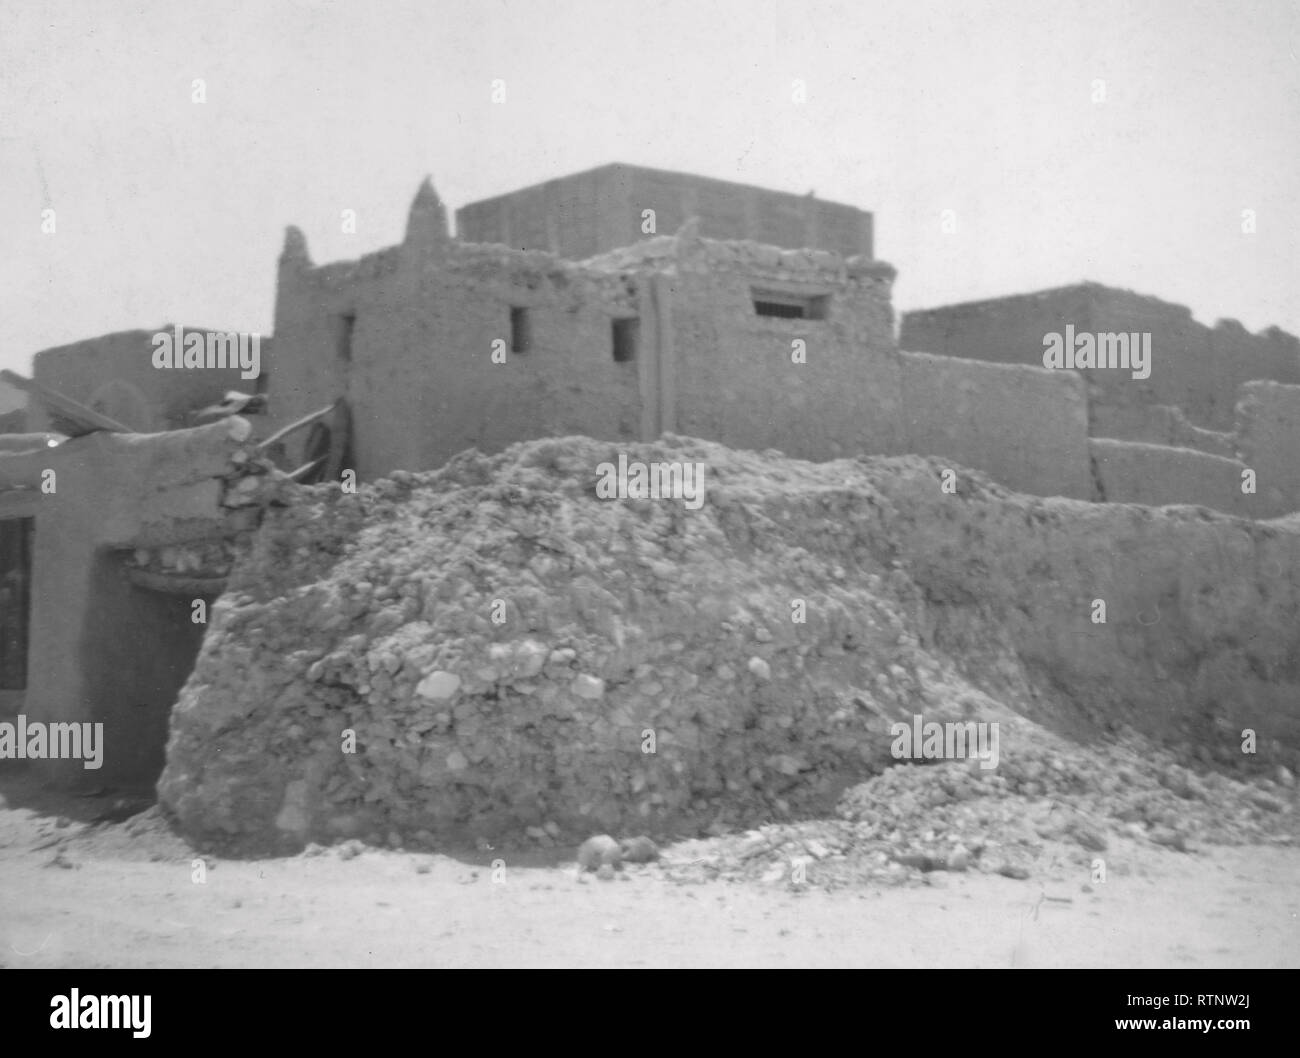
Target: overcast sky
171,210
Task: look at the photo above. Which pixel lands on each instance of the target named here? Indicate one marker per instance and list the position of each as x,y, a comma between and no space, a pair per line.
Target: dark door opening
16,536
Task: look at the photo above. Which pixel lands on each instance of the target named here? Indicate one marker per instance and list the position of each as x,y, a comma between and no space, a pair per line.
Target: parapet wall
1025,427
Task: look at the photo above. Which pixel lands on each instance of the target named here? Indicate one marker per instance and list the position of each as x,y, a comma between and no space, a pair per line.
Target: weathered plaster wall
1159,424
1025,427
11,398
601,209
406,336
420,376
137,649
1194,367
115,374
735,378
102,650
1269,437
1157,475
13,421
1001,330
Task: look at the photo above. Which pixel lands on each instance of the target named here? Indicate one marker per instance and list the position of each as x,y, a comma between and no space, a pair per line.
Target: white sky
167,210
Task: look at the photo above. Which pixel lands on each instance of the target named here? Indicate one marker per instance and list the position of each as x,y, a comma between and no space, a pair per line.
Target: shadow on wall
138,648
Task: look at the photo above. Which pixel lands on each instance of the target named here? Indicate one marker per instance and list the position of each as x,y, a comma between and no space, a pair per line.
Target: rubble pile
493,647
1050,808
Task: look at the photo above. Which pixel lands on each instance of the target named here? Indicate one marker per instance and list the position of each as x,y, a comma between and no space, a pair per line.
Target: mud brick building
761,321
674,334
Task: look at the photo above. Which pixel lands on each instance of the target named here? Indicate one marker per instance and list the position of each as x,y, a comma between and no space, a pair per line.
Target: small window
521,331
343,327
790,306
627,333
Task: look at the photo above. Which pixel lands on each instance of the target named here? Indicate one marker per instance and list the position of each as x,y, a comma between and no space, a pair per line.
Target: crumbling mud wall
1129,472
1268,427
1025,427
491,647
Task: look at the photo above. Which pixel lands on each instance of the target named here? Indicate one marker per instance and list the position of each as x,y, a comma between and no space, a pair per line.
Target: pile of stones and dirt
1054,809
499,650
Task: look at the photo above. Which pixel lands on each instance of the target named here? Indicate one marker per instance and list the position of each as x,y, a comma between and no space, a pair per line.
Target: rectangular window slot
627,333
785,306
521,331
343,327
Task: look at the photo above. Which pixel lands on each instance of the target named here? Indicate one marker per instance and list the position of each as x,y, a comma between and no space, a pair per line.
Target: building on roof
602,209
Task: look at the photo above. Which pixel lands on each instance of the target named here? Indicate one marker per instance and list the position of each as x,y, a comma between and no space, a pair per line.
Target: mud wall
1159,424
600,210
407,337
812,388
1269,431
1193,367
100,649
1025,427
115,374
1155,475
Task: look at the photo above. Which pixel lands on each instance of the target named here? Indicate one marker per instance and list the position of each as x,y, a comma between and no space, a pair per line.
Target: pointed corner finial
427,221
295,247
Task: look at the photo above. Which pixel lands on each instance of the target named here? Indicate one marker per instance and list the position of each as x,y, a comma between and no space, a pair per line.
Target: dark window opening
15,600
627,332
521,331
791,306
344,325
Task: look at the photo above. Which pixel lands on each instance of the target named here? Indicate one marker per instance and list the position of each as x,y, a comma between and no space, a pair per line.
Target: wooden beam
306,468
306,420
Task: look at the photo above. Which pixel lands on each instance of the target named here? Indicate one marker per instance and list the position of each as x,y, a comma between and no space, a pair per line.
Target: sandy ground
80,893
